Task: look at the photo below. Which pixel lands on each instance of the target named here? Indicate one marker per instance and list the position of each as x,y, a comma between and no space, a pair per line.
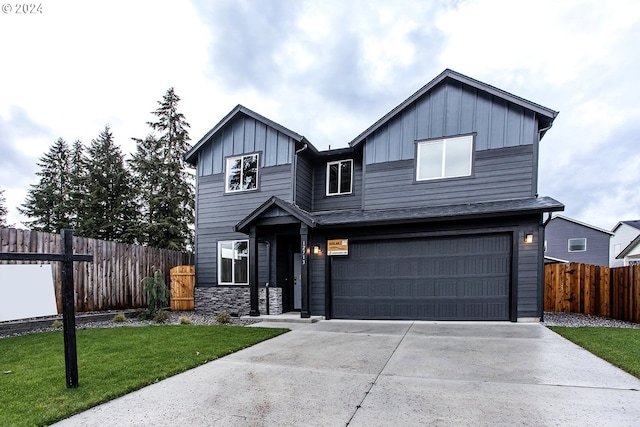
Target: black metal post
304,270
68,310
253,272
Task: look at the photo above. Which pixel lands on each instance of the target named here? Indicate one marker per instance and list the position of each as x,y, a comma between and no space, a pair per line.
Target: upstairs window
242,173
339,177
444,158
578,245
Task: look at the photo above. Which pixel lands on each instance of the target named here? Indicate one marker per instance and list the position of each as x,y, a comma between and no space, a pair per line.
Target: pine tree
3,210
167,196
47,202
108,209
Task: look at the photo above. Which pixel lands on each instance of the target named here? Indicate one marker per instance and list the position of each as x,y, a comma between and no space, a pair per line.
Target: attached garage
443,278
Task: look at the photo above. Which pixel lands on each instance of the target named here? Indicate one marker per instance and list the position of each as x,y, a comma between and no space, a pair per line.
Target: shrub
56,324
223,317
184,320
161,316
119,318
141,314
157,293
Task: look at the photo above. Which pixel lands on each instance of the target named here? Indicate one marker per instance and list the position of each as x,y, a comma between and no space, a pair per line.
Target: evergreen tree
3,210
167,196
47,202
108,210
78,178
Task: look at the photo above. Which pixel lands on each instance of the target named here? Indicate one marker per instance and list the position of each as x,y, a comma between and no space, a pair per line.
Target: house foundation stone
235,300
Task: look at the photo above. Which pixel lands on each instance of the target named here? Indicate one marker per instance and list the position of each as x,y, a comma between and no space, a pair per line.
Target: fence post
68,310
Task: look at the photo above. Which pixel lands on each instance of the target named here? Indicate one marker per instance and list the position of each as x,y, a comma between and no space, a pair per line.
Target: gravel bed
577,320
174,319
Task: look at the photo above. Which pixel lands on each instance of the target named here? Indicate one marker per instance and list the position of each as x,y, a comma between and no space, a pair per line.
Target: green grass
619,346
111,363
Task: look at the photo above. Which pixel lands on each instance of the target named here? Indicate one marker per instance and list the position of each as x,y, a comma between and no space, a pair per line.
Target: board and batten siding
218,212
322,202
304,182
452,108
530,272
241,136
497,175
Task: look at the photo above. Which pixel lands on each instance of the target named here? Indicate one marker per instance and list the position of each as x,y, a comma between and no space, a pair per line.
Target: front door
297,282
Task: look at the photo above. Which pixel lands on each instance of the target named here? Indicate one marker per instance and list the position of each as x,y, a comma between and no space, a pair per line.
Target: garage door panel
452,278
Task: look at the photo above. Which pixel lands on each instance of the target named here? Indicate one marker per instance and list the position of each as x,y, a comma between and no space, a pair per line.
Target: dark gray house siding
322,202
452,109
558,232
304,182
216,211
498,174
391,219
245,135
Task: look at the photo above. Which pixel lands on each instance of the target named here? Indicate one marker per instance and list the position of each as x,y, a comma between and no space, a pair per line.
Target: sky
326,70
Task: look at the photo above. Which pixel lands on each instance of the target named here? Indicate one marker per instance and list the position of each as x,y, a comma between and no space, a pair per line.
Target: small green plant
184,320
119,318
223,318
161,316
56,324
156,292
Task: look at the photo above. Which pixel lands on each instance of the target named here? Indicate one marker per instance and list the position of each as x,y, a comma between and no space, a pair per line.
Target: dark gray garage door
452,278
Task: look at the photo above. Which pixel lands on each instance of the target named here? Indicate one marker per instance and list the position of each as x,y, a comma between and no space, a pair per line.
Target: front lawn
619,346
111,363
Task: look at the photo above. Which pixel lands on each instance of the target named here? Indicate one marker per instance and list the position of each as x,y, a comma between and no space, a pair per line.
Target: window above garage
444,158
339,177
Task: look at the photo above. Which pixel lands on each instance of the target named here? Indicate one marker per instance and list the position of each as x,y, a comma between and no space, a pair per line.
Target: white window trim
444,156
226,173
338,162
219,263
577,238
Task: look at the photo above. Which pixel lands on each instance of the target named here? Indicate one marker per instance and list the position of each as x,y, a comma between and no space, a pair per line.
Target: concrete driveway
356,373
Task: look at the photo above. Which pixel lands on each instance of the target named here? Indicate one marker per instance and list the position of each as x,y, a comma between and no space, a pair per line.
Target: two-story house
570,240
625,244
431,213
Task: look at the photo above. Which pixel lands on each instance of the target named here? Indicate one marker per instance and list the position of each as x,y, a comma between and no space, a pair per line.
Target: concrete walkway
337,373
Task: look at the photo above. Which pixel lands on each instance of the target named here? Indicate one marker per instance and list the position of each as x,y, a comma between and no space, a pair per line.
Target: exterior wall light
317,250
528,238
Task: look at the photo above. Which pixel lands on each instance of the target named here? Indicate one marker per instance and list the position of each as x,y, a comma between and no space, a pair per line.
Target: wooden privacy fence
591,289
113,281
183,279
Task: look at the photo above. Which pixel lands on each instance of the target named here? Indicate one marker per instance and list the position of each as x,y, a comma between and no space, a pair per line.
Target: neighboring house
625,247
574,241
431,213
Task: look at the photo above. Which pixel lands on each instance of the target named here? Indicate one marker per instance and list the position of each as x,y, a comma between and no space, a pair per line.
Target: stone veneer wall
235,300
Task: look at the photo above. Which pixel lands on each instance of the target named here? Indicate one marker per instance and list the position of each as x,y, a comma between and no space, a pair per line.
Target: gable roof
191,155
629,248
584,224
634,224
547,114
273,202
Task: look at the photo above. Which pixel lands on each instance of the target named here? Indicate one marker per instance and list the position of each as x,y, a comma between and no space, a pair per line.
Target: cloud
331,61
599,184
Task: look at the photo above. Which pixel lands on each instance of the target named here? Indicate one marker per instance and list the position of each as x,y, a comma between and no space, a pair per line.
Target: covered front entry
444,278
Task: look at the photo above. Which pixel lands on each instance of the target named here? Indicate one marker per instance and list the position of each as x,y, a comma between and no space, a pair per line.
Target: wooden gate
183,279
